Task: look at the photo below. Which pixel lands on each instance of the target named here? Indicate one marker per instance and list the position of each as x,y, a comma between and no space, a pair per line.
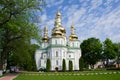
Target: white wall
59,41
62,54
74,43
37,58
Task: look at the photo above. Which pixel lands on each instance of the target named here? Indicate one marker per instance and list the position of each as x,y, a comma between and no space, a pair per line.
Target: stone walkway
9,76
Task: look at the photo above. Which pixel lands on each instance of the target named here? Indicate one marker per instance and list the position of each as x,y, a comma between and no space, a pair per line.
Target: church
58,47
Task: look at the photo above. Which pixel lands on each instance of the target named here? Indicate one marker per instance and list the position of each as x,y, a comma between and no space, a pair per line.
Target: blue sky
91,18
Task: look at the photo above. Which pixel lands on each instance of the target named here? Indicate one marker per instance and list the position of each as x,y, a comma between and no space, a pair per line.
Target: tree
48,65
24,59
117,52
81,64
63,65
70,66
17,28
91,51
108,51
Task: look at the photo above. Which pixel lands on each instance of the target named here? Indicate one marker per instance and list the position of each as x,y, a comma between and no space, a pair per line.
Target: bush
70,66
63,65
48,65
81,64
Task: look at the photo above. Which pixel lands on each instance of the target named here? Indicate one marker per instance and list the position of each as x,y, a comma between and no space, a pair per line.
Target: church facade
58,47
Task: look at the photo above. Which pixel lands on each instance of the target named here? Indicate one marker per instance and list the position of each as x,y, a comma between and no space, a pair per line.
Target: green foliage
117,50
24,58
63,65
70,66
17,29
81,64
48,65
108,50
91,50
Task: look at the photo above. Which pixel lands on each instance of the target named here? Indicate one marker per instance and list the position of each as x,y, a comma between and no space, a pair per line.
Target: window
56,53
44,55
73,44
55,41
44,62
56,62
69,55
77,44
61,42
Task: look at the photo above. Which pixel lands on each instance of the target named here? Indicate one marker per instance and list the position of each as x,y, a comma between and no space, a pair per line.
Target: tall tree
16,27
70,66
91,51
81,64
108,51
63,65
48,65
117,50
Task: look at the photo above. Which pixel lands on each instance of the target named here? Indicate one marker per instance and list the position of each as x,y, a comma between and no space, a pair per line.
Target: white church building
58,47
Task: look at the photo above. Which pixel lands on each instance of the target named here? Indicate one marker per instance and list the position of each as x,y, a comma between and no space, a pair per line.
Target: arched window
77,44
61,42
56,53
55,41
69,55
72,44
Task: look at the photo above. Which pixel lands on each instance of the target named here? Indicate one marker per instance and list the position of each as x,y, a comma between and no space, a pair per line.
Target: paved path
9,76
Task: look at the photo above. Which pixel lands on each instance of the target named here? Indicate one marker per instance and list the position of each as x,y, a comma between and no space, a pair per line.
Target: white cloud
95,4
77,15
51,3
104,26
43,17
58,2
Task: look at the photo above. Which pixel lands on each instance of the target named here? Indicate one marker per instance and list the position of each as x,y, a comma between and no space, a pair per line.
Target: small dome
73,36
58,14
45,38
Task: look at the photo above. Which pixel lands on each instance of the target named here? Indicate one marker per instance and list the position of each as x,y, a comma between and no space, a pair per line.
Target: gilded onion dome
73,36
58,30
45,37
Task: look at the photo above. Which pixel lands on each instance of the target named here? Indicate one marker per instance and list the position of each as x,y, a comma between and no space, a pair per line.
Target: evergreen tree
63,65
81,64
48,65
70,66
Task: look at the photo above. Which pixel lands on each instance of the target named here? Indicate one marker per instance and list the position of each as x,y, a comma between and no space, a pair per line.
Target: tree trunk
91,66
2,59
107,63
1,64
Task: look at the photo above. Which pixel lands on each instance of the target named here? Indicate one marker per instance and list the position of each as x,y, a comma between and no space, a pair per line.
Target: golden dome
73,36
45,38
62,29
58,14
58,30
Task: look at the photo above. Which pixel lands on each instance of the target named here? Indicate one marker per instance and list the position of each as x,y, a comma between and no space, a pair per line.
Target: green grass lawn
70,76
